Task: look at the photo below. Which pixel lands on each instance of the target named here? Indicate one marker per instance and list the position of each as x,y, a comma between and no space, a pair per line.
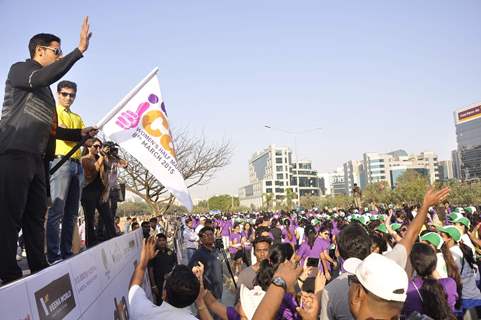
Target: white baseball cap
379,275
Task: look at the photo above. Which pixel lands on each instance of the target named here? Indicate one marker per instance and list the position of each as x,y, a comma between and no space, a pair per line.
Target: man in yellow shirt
65,182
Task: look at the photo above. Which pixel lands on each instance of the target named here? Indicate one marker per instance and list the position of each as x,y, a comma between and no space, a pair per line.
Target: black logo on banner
55,300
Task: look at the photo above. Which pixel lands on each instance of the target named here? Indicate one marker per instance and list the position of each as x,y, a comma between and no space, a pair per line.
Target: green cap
470,209
455,215
452,231
364,220
464,221
395,226
382,228
434,239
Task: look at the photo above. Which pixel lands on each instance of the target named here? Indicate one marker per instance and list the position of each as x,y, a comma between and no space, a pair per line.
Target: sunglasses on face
66,94
96,146
56,51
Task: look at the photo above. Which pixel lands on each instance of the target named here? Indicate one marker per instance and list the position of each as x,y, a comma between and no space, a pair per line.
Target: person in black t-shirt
28,131
162,264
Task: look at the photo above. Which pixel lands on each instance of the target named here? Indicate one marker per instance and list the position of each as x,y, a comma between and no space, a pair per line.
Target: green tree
290,196
337,201
411,187
201,207
223,203
309,202
378,192
268,200
464,193
133,208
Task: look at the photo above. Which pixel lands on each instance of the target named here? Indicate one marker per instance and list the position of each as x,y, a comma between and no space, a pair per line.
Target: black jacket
29,115
213,273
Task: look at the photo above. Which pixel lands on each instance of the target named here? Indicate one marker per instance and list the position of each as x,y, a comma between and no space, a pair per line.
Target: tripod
220,246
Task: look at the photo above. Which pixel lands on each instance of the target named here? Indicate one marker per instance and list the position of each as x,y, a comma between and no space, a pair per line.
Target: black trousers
91,200
23,205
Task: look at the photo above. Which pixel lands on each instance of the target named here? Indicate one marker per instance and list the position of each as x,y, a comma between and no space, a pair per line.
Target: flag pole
107,117
126,99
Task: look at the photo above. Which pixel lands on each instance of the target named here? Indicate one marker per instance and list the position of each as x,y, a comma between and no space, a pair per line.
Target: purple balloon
153,98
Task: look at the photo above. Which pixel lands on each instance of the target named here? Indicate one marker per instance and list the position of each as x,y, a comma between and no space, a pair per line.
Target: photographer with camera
111,196
114,163
94,192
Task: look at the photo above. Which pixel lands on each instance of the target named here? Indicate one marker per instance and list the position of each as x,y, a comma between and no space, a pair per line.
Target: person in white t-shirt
181,289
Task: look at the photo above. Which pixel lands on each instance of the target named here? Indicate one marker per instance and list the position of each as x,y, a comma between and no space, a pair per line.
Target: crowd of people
378,263
393,263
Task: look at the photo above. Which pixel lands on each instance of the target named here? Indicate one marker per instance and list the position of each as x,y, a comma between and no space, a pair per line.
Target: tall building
456,164
332,183
446,170
272,172
468,136
388,167
352,175
376,167
305,179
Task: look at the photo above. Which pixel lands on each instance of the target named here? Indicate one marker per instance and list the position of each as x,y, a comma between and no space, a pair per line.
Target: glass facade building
468,136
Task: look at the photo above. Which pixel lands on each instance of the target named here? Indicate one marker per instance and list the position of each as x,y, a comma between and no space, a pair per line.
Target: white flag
141,127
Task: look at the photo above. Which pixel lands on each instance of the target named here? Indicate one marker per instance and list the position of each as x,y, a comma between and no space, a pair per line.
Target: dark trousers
23,205
91,200
114,199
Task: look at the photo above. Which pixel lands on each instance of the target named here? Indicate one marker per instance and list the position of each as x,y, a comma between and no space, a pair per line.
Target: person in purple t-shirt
288,233
235,247
312,247
325,257
426,293
225,227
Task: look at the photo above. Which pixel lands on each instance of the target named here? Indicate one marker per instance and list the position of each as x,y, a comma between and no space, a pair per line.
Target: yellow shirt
69,120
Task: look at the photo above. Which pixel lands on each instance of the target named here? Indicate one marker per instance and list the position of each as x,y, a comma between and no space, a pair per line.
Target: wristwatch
279,282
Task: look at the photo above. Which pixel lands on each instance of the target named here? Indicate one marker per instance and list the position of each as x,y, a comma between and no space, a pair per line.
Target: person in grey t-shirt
248,275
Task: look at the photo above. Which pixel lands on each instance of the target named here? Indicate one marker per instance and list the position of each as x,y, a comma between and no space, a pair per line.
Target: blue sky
375,75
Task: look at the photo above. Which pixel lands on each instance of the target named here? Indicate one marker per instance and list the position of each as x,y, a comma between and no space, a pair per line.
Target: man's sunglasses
66,94
56,51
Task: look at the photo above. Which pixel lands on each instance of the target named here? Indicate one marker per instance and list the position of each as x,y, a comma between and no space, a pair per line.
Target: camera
218,244
113,149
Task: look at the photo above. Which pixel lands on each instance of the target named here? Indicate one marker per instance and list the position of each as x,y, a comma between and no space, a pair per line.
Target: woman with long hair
464,260
93,193
247,239
445,267
427,293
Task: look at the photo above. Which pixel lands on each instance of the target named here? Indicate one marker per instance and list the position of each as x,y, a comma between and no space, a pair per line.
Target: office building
271,173
468,136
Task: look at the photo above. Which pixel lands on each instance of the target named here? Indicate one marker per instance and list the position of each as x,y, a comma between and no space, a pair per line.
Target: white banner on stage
139,124
91,285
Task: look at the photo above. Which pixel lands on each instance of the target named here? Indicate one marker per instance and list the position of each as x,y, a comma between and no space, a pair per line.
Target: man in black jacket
210,258
28,129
